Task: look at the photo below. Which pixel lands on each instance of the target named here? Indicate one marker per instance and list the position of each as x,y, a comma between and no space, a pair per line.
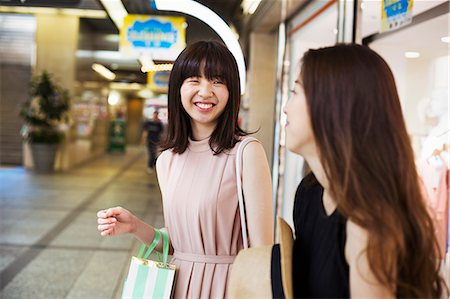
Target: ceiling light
91,85
412,54
114,38
115,10
102,70
146,61
82,13
126,86
234,30
165,67
113,98
250,6
216,23
102,55
145,93
445,39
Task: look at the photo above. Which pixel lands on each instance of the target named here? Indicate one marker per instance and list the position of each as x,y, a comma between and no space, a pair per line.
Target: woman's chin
292,148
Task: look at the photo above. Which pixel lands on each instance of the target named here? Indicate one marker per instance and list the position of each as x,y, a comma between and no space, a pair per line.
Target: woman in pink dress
197,176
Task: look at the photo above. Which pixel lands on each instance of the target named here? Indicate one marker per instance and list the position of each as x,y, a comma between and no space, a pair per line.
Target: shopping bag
147,278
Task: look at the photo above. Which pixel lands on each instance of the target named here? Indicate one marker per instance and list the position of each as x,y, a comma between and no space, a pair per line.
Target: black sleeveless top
319,266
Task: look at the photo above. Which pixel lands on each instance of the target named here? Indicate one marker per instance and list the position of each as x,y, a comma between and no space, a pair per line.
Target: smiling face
204,101
204,97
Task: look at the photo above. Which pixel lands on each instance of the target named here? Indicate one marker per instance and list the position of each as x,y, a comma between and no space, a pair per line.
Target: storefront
418,55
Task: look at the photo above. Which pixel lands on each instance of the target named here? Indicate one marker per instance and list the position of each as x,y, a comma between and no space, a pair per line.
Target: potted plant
44,112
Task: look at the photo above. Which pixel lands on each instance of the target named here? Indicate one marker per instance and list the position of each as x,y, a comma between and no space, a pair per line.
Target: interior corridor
49,243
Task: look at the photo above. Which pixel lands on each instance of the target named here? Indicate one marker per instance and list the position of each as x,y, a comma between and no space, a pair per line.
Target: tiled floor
49,243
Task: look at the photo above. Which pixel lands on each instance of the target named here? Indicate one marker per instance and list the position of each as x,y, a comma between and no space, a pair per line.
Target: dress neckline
199,146
323,211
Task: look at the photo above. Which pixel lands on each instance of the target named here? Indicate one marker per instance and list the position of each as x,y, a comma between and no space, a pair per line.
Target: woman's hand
116,221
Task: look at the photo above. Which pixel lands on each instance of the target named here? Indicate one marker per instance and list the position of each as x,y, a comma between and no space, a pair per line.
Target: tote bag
257,272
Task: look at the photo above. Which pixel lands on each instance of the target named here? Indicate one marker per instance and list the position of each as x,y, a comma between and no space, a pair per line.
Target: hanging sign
395,14
160,36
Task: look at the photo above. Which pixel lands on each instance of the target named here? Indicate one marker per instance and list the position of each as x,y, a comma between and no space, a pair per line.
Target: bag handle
240,192
165,246
152,246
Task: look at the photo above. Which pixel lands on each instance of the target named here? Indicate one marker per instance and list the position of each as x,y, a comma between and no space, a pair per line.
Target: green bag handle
165,246
155,242
151,247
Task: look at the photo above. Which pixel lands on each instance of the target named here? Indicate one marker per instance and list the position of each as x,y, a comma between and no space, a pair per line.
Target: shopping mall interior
112,77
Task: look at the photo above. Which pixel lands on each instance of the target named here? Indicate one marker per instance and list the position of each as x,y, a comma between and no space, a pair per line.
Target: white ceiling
371,13
424,38
424,35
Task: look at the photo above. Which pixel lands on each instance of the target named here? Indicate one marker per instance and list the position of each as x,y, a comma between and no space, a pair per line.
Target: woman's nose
205,90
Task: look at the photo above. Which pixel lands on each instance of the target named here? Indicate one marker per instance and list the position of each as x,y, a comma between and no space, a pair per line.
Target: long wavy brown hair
361,136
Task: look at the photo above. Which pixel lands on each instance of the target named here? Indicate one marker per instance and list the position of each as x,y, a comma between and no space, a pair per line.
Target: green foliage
46,108
45,135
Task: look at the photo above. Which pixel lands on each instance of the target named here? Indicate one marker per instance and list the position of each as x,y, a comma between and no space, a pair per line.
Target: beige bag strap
240,192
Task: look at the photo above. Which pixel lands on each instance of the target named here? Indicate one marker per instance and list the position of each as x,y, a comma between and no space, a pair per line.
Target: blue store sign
152,34
160,36
395,14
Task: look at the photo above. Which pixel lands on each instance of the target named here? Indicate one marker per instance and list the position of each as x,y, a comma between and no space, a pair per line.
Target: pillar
262,88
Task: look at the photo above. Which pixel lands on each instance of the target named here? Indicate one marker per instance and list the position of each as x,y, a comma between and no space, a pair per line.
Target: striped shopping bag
147,278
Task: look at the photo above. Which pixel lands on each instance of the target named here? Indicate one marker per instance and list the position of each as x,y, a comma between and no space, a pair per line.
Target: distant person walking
152,129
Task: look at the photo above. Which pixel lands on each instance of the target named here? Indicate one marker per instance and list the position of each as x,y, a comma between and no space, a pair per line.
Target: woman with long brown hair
362,228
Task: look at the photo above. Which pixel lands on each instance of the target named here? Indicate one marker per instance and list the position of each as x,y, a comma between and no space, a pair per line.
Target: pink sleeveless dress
201,213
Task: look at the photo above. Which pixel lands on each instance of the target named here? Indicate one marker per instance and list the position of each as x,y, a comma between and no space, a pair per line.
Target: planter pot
43,156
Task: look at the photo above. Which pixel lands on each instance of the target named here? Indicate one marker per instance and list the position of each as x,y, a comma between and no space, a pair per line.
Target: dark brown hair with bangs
365,149
213,60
